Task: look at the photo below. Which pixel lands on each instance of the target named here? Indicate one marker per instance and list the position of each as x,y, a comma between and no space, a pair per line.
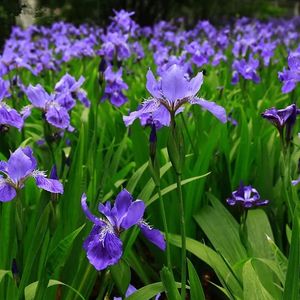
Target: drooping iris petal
217,110
173,84
7,192
103,248
162,115
153,235
19,165
50,185
148,107
134,214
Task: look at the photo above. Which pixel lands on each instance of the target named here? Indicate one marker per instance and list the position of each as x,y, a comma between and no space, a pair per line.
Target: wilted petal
50,185
217,110
134,214
153,235
7,192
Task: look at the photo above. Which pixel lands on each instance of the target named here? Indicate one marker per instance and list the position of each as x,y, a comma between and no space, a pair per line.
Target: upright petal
195,84
217,110
122,204
28,151
37,96
153,235
174,85
19,165
134,214
7,192
152,85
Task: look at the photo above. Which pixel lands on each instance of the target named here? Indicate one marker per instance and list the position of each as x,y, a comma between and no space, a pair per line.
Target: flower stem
163,215
183,237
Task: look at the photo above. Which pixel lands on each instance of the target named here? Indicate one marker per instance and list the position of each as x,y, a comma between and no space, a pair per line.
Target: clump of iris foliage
150,162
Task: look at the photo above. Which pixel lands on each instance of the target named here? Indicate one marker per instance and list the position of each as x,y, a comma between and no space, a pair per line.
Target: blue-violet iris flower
20,166
292,76
103,245
169,94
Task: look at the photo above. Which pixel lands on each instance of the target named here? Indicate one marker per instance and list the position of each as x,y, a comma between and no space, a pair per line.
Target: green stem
183,238
188,134
163,214
286,179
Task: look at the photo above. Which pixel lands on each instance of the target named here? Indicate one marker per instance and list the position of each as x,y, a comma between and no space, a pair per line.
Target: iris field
150,162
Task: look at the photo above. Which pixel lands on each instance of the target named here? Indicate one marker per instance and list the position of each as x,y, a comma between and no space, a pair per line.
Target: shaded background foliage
147,12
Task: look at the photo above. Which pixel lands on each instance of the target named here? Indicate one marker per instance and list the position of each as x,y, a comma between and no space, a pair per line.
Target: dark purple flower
292,76
114,87
20,166
169,94
103,245
247,197
282,119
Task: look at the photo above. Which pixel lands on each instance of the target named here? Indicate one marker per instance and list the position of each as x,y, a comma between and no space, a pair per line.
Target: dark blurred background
147,12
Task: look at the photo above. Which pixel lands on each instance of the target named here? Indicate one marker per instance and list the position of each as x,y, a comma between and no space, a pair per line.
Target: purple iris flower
292,76
247,197
114,87
20,166
67,89
8,115
169,94
103,245
115,46
55,114
247,69
123,20
283,119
